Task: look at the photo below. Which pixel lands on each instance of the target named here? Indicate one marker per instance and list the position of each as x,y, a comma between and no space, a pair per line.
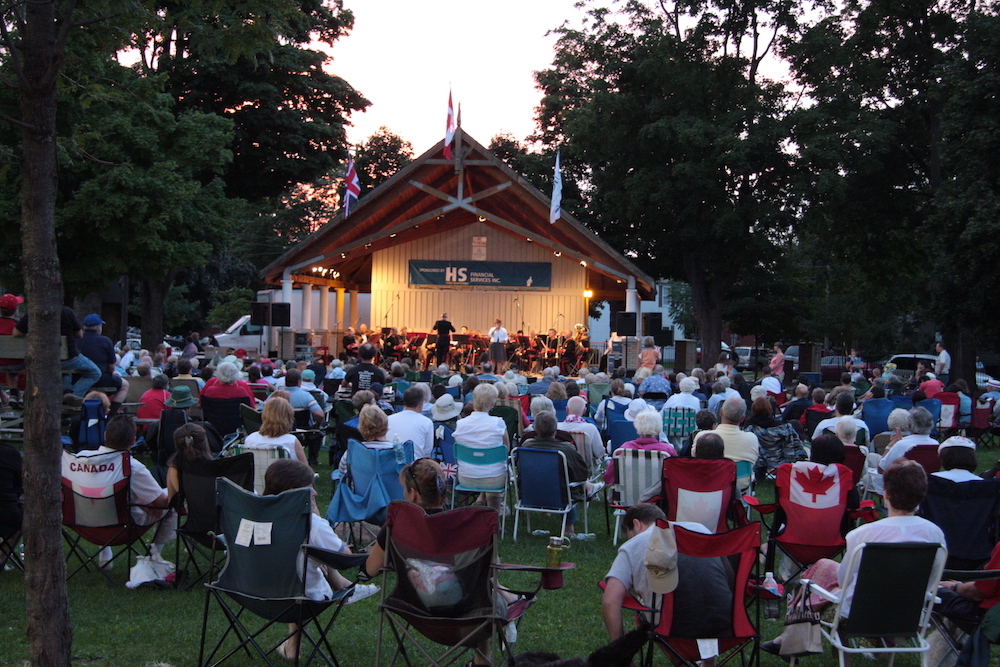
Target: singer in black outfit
442,347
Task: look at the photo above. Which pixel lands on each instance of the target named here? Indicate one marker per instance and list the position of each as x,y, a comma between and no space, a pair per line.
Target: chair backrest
455,392
635,471
480,457
411,376
881,442
596,391
191,384
614,411
95,492
262,568
875,414
445,439
968,514
372,483
813,419
542,478
893,588
855,461
137,386
933,406
461,541
737,549
252,420
560,408
511,417
982,412
926,456
950,405
620,431
170,420
343,410
263,456
679,422
90,434
304,419
814,499
224,413
904,402
699,490
197,488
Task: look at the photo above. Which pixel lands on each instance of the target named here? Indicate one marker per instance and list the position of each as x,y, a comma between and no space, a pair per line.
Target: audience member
480,430
277,424
411,424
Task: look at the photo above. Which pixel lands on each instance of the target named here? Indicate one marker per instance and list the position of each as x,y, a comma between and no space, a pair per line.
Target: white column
307,293
340,309
324,309
631,297
352,318
286,290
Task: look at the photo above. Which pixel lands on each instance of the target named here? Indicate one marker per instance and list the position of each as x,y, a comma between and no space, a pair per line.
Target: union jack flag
352,187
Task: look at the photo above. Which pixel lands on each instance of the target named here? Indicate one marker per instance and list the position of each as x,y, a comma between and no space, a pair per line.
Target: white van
242,334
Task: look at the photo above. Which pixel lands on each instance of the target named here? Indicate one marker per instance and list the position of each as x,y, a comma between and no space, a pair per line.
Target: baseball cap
956,441
308,375
661,560
10,301
93,320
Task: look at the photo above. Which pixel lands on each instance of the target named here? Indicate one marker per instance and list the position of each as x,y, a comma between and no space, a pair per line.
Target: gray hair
921,421
442,369
847,429
725,382
757,391
227,373
733,409
540,404
648,423
689,385
484,397
425,388
899,418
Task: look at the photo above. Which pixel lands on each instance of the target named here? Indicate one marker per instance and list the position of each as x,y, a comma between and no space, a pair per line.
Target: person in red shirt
227,384
154,401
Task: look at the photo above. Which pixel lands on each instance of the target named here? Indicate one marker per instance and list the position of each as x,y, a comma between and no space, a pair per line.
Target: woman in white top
278,419
482,431
321,580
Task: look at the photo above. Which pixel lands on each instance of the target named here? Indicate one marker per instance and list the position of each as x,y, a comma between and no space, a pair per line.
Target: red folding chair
926,456
854,459
810,508
740,547
702,491
982,429
950,407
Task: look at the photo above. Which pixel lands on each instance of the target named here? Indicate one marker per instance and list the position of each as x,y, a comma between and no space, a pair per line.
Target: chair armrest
866,512
819,590
971,575
337,559
761,508
629,602
551,577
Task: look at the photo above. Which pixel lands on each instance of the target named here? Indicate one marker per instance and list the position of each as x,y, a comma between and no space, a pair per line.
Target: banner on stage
433,274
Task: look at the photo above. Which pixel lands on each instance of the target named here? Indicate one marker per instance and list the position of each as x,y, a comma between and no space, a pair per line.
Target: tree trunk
49,631
707,298
154,292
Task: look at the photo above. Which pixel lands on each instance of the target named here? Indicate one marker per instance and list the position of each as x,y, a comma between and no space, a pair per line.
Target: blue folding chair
904,402
371,483
465,455
456,392
875,413
933,406
560,408
90,434
619,432
445,444
543,485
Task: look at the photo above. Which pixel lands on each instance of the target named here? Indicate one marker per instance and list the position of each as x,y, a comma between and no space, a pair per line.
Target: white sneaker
597,486
362,591
510,632
104,559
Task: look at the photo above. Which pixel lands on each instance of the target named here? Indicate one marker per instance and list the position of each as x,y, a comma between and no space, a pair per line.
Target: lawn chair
464,616
856,462
96,509
224,413
511,417
961,635
170,420
252,420
620,431
880,443
701,491
263,456
813,501
310,435
947,423
11,507
596,391
137,386
560,409
261,575
89,434
465,455
903,402
371,483
739,547
635,471
542,485
678,424
969,515
892,592
982,429
196,497
926,456
875,413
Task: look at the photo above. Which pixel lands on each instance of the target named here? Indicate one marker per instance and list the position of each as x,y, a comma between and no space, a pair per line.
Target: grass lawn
115,626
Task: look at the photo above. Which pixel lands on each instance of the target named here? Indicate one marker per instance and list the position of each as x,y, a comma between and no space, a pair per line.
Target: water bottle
771,605
553,552
397,447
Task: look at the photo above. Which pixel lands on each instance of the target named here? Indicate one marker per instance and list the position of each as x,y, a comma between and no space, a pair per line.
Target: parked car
751,358
725,348
906,365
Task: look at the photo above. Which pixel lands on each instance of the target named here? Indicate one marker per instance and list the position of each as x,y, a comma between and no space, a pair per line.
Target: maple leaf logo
814,482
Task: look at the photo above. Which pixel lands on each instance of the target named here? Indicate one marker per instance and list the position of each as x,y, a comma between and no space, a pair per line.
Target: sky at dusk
403,55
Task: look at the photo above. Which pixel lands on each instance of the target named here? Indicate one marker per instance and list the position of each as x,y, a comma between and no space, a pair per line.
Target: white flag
554,207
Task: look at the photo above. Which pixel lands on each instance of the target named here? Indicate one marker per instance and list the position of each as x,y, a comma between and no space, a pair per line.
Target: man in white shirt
769,382
942,367
739,445
411,424
921,425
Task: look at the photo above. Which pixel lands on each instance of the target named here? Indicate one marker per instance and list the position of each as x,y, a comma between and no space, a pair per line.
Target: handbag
802,635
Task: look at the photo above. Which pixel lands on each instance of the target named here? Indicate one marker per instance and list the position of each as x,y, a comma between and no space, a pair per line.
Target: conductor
498,344
444,330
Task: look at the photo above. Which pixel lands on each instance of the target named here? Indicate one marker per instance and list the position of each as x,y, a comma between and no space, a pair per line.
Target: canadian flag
449,130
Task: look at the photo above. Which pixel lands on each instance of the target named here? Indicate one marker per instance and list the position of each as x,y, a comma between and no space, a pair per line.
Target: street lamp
587,295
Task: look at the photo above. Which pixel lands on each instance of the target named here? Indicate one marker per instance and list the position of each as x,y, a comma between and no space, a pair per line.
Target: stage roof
433,195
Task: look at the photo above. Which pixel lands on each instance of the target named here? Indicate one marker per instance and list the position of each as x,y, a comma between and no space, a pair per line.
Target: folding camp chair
947,423
969,515
252,420
856,462
620,431
9,554
224,413
96,509
701,491
196,497
875,413
542,485
892,589
266,536
311,436
170,420
263,456
89,434
560,409
678,424
596,391
957,633
734,551
982,429
812,499
655,399
465,455
635,471
511,417
444,445
926,456
462,613
933,406
364,494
